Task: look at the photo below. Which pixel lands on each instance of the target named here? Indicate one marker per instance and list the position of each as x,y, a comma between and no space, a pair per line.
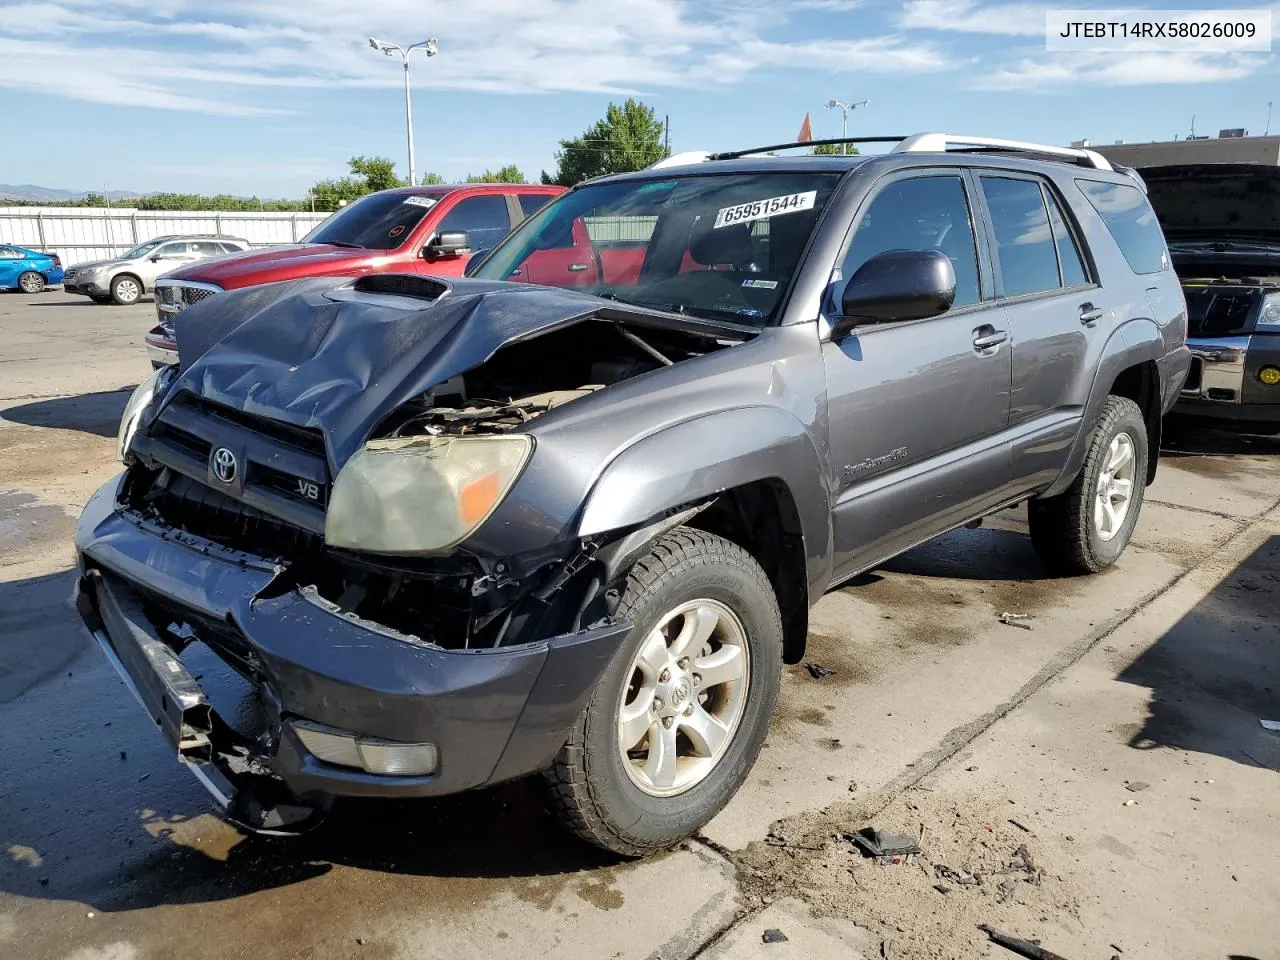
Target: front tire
682,711
126,290
31,282
1086,528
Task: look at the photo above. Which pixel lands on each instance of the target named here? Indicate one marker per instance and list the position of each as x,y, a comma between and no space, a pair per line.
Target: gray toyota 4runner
445,533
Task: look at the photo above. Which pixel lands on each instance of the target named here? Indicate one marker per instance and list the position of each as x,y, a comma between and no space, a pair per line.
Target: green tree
629,137
833,150
368,174
379,173
508,174
431,179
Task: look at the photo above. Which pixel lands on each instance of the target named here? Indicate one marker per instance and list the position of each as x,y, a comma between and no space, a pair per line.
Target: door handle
577,267
1089,314
986,340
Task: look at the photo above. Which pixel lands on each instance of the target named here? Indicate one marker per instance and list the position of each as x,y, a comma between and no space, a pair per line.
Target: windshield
141,250
378,221
718,246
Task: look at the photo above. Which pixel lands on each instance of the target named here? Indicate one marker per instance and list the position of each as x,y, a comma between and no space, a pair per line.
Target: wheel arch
142,285
751,475
1129,367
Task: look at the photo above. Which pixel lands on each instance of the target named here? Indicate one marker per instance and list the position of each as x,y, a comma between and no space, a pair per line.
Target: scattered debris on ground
965,860
1016,619
818,671
1137,786
774,936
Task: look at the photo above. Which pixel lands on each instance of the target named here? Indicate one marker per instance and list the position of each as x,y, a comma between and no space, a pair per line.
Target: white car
124,279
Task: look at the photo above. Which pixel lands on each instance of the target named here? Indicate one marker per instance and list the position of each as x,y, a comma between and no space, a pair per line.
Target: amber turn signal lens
478,497
1269,375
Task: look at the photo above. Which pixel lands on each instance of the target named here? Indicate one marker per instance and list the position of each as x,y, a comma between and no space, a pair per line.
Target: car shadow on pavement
98,413
1216,672
985,553
1197,437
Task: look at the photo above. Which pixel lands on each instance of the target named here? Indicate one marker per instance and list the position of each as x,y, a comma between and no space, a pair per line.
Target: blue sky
265,97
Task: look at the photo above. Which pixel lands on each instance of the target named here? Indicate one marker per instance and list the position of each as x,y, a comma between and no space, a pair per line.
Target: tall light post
844,109
391,49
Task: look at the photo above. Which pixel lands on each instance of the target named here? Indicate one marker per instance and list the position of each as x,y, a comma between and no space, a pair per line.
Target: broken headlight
142,398
421,494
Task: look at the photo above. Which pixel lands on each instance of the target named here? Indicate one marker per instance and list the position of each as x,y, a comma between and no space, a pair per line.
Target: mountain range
31,192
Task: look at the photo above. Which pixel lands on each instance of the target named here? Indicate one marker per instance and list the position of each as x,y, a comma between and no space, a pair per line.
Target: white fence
78,234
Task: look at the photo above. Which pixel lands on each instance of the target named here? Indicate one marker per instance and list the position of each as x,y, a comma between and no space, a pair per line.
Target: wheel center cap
680,692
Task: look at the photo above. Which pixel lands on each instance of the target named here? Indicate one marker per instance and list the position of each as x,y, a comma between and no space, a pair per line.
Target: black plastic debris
774,936
818,671
885,847
1025,948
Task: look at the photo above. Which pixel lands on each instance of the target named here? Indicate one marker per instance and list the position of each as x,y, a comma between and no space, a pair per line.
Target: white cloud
1065,70
180,54
967,16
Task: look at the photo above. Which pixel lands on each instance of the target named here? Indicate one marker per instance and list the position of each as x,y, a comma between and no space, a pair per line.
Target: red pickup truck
429,230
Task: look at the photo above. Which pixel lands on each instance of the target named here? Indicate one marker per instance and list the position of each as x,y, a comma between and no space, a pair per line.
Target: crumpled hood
339,357
235,270
1216,201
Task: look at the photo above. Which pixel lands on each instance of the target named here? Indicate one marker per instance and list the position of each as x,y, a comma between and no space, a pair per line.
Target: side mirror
155,258
897,285
447,245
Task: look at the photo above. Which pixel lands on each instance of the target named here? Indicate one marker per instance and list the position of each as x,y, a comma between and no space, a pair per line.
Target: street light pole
844,110
430,47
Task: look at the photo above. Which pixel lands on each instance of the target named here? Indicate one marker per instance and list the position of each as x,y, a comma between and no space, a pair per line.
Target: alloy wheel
684,699
1114,493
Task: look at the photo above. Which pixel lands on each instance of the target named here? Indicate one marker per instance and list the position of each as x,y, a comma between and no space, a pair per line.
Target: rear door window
1069,259
531,203
1128,215
207,248
1024,243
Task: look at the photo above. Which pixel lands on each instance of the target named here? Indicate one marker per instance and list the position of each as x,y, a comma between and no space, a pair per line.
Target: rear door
12,263
1054,309
918,410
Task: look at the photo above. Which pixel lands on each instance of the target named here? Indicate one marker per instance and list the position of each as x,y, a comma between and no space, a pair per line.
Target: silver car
124,279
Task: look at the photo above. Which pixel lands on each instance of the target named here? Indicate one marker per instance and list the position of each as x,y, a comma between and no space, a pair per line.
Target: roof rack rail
944,142
735,154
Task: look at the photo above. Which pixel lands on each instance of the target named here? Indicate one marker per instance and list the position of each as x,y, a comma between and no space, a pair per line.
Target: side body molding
707,455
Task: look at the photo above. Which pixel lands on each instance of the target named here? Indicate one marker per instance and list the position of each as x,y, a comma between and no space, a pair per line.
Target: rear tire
31,282
126,290
1086,528
624,797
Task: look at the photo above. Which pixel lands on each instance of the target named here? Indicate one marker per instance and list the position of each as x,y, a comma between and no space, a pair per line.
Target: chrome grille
172,296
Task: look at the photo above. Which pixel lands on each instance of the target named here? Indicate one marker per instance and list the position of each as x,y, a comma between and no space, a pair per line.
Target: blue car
27,270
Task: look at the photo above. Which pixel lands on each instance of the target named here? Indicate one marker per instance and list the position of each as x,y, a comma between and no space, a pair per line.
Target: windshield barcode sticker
427,202
759,209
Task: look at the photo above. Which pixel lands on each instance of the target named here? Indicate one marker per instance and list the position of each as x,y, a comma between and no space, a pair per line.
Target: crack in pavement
753,864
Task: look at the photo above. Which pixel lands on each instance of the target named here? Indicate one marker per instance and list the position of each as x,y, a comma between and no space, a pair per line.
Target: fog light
388,758
1269,375
329,747
397,759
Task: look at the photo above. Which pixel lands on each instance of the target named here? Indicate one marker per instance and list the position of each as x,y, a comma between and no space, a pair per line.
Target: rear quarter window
1132,223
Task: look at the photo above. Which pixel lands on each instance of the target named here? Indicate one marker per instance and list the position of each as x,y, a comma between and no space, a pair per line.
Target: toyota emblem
224,465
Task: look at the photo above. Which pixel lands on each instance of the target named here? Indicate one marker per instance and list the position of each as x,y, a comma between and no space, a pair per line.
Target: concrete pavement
1152,672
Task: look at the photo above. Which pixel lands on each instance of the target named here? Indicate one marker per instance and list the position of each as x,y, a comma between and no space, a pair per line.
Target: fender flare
1134,342
702,457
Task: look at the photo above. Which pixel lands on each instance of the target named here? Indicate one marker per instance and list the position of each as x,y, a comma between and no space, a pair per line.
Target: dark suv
448,532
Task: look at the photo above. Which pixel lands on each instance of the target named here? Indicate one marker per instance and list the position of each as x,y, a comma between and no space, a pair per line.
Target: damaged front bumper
490,715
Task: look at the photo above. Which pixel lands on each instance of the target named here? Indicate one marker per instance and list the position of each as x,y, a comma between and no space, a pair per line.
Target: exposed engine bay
524,380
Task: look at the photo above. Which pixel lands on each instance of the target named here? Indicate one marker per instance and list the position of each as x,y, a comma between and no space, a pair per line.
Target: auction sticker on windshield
759,209
427,202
